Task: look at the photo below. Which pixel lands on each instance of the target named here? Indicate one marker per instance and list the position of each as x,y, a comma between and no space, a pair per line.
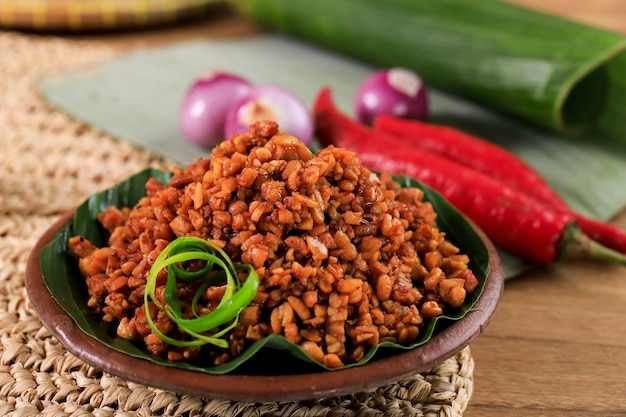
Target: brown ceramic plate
260,387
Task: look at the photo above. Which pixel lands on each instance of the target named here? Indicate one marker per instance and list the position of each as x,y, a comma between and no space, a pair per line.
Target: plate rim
260,388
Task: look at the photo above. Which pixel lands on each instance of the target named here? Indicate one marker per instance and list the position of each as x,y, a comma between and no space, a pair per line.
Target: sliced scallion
218,267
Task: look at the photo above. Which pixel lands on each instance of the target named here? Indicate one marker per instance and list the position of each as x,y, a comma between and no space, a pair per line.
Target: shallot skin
203,111
395,91
269,102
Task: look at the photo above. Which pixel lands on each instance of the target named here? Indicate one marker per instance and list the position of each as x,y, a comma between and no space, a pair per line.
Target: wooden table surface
557,345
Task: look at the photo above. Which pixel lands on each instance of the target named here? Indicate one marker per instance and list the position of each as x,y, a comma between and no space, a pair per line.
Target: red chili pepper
514,221
497,162
473,151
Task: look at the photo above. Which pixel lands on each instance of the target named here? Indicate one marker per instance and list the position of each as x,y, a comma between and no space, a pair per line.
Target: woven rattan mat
48,164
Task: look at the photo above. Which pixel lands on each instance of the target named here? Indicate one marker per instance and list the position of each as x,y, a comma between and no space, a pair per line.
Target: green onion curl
218,268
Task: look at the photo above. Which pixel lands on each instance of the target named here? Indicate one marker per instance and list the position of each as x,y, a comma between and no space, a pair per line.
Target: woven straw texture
49,163
88,15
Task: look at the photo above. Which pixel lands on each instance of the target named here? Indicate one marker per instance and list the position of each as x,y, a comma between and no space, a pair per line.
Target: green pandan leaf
66,284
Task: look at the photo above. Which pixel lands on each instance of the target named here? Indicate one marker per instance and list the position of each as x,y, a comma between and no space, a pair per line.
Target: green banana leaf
549,71
67,286
136,97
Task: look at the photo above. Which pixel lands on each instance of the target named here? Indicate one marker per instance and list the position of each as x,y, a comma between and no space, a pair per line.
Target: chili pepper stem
577,245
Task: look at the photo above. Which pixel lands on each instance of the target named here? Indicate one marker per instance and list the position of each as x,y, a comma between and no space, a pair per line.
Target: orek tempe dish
346,259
